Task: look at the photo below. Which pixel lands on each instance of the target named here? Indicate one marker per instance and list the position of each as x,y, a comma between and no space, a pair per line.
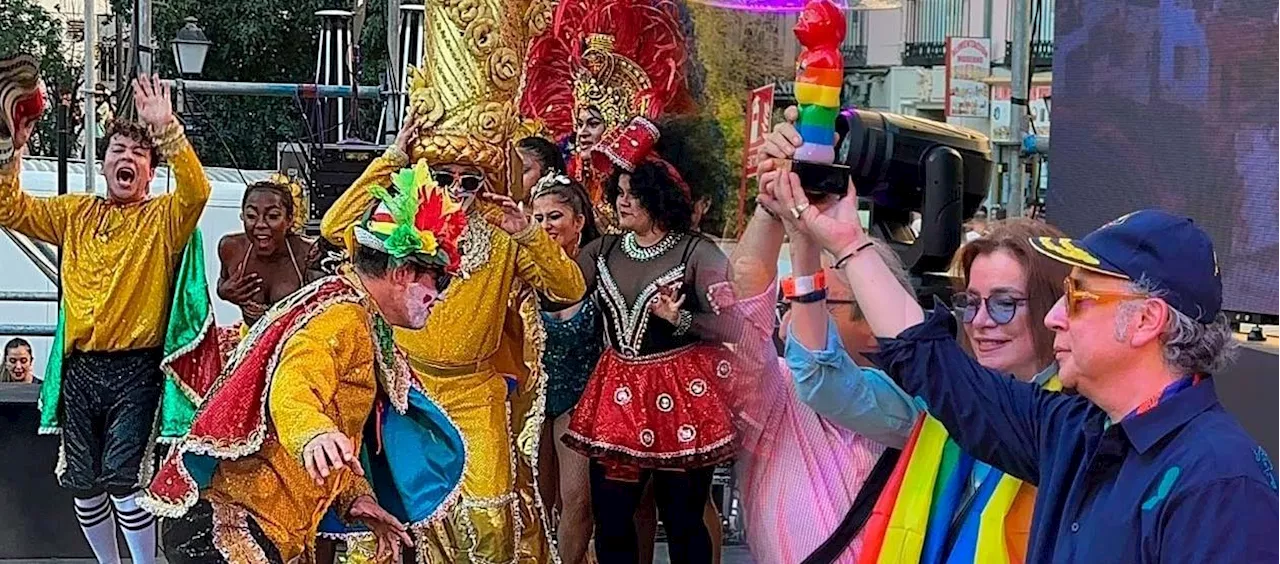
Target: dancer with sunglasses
1003,289
479,355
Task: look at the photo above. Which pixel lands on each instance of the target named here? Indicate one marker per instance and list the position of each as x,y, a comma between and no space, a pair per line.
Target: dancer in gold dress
479,355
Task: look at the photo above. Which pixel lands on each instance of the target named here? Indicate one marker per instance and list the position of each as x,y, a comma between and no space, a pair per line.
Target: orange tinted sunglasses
1075,295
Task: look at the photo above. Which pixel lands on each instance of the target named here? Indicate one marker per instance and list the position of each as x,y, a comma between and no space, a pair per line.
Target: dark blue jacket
1181,483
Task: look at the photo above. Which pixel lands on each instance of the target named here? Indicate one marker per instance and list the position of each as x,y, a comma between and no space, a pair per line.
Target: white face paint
419,298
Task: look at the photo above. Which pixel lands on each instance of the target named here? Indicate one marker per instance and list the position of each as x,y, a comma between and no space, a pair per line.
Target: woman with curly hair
653,410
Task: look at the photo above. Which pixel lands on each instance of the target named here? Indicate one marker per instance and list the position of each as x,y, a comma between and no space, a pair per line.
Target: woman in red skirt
654,409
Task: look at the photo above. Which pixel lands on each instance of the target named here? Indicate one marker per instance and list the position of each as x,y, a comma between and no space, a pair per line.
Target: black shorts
108,412
208,534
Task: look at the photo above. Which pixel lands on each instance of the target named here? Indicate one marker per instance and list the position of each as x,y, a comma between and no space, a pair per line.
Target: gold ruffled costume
488,330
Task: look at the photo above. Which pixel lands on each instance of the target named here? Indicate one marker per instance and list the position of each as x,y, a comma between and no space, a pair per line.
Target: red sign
759,111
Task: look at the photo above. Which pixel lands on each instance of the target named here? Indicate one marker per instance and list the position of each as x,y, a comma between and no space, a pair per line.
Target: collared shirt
799,472
1181,483
860,398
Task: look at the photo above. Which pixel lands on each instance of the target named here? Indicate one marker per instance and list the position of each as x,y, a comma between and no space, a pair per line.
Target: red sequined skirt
663,411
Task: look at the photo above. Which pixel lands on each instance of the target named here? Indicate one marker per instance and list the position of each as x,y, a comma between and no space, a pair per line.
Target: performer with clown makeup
296,424
480,354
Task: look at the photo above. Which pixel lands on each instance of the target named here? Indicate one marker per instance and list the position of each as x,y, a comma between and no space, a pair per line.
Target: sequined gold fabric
467,90
324,381
231,535
609,82
118,261
471,339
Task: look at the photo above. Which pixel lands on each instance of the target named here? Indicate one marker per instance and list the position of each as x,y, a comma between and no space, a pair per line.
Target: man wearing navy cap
1144,465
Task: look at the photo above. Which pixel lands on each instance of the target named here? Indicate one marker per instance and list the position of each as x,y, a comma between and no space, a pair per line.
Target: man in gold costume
479,355
120,258
277,443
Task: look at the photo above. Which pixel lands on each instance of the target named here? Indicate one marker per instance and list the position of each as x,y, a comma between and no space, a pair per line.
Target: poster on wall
1001,120
968,64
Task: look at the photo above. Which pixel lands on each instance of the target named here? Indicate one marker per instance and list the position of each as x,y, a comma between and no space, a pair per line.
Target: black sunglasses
783,306
446,179
1001,307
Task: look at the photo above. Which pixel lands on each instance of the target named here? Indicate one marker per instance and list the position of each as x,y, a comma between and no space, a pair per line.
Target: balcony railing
1042,16
854,55
1041,54
928,25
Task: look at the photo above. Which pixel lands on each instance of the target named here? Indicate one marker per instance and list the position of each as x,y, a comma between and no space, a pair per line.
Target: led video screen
1172,104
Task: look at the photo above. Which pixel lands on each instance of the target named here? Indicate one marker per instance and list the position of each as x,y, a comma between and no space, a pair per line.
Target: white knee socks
139,529
94,515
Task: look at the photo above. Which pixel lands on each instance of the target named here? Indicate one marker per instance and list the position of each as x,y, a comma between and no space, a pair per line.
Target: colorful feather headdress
418,222
624,58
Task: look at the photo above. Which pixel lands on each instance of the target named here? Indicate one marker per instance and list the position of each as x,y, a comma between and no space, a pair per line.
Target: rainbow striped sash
927,514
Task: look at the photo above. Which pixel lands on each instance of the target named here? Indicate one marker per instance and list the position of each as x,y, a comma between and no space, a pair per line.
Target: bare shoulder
232,245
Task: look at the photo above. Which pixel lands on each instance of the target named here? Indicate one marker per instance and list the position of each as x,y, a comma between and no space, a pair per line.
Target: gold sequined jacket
118,261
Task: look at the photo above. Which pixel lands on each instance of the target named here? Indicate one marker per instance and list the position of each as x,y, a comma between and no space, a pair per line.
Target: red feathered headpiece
625,58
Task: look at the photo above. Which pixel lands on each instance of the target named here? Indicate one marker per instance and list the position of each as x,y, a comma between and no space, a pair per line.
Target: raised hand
513,219
389,531
408,134
327,453
153,102
837,228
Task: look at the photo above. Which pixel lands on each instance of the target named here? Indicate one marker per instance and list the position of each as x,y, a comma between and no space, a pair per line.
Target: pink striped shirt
798,473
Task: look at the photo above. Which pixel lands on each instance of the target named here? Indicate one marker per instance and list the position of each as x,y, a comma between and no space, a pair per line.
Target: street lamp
189,48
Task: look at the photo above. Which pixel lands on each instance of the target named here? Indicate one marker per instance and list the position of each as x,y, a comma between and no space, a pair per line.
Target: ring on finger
797,211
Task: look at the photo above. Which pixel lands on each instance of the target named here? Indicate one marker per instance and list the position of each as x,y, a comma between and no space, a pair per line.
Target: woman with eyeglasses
957,508
653,411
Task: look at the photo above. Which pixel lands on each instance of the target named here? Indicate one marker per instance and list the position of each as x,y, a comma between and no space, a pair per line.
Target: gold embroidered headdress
624,58
467,89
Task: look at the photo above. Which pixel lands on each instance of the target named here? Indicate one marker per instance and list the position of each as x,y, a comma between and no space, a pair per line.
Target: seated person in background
18,363
267,261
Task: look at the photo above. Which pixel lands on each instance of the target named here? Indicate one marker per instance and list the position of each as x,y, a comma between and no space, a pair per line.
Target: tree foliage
26,27
258,41
738,51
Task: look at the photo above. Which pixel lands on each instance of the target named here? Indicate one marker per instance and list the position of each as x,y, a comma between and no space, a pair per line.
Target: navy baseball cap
1167,250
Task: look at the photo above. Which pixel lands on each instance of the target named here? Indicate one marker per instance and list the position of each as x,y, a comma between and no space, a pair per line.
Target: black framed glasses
468,182
783,306
1001,306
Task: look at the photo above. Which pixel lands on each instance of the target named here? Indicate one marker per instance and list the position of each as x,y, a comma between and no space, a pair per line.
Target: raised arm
755,258
991,415
192,192
356,201
541,263
861,399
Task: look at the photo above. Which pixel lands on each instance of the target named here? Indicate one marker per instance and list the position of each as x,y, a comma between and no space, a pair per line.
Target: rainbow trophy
819,76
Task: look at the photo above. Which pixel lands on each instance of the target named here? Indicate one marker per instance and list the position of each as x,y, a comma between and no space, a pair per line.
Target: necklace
645,254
